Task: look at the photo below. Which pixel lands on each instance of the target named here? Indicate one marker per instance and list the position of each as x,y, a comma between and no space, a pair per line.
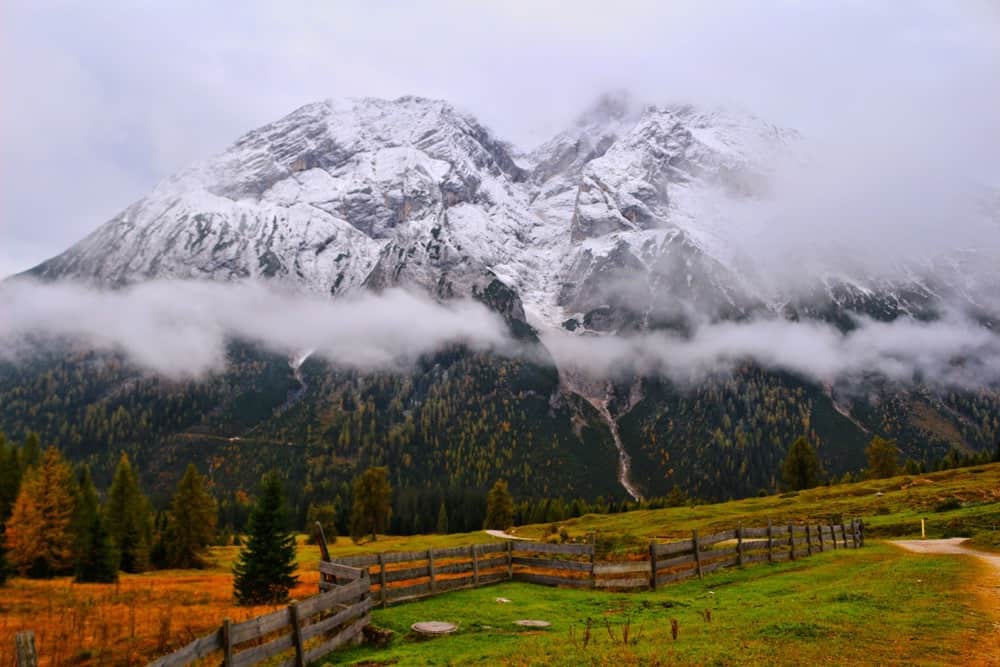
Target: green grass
959,502
878,605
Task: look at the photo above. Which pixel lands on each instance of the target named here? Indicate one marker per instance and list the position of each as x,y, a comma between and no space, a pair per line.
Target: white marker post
923,529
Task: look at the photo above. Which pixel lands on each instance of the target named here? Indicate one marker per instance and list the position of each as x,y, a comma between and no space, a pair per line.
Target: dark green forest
450,427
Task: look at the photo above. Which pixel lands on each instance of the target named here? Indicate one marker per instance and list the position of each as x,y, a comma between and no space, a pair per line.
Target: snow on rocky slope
618,222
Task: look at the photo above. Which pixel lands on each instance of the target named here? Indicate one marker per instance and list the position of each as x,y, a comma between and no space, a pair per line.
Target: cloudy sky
101,100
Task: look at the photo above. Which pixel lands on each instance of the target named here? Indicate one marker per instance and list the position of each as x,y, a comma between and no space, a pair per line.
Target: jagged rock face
612,225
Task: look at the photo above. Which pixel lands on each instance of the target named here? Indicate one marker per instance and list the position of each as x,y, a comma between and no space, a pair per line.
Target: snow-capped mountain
623,220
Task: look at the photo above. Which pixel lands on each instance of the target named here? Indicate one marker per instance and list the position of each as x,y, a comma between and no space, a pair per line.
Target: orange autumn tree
39,538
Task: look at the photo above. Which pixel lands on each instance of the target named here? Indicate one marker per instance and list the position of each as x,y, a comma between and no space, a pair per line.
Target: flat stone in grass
532,623
433,628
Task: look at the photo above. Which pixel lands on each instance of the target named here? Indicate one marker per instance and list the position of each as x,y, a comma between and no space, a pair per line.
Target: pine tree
39,533
264,571
883,457
191,522
372,504
499,507
801,468
442,522
129,519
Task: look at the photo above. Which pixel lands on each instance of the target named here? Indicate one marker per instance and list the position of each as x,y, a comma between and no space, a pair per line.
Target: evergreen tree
96,559
191,522
39,533
264,571
499,507
129,519
883,457
372,504
31,451
10,477
4,565
801,468
326,516
996,454
442,522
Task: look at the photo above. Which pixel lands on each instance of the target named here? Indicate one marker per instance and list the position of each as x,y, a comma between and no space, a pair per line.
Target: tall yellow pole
923,529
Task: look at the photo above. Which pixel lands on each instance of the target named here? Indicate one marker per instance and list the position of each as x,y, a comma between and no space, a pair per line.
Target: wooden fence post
819,531
854,533
739,545
324,554
770,543
791,542
293,611
697,551
430,569
24,646
510,559
593,559
475,566
652,564
809,544
833,535
861,532
843,532
381,580
227,644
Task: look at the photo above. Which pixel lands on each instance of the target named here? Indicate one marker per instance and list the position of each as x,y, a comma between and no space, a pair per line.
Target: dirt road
986,589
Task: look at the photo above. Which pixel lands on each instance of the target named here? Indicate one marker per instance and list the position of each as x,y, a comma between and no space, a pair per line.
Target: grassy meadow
878,605
821,602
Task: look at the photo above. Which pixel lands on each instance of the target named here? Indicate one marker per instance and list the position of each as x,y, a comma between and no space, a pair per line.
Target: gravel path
987,589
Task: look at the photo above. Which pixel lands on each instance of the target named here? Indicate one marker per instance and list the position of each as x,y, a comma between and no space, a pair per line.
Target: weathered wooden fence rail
305,631
412,575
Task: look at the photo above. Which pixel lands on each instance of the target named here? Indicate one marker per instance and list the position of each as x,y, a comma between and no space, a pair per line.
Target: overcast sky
101,100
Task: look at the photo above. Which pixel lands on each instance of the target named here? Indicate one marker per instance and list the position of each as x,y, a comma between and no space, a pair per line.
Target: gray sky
101,100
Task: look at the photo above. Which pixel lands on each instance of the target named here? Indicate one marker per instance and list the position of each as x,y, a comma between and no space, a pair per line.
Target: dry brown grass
129,623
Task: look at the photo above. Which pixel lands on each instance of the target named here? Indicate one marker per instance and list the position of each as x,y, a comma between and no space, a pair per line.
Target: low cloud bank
950,352
180,329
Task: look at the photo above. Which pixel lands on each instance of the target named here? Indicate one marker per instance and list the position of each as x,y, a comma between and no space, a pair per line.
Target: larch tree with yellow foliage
39,535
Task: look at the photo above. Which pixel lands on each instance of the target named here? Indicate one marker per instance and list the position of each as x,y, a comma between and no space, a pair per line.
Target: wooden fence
417,574
305,631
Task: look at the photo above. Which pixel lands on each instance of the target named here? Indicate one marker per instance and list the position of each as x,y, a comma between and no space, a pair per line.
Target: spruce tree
4,565
372,504
97,562
129,519
442,522
801,468
39,531
264,571
499,507
191,522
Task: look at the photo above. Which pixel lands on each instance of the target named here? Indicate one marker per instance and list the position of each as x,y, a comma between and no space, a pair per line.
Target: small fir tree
191,522
499,507
129,519
264,571
94,558
372,504
801,468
